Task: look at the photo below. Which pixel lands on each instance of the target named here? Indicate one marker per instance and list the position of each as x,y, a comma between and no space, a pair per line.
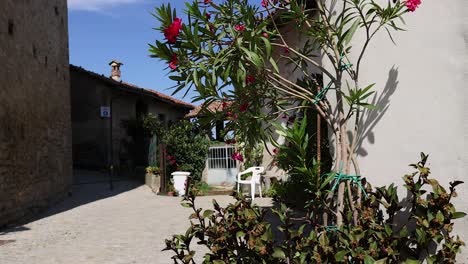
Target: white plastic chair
255,179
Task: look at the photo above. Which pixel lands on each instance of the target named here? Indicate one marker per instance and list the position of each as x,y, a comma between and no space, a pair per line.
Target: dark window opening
162,118
34,50
46,60
56,10
141,110
11,27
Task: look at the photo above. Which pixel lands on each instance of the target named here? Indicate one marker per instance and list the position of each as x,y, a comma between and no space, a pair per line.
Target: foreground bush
389,230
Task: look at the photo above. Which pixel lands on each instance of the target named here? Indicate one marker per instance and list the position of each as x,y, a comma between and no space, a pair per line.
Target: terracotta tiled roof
213,107
134,88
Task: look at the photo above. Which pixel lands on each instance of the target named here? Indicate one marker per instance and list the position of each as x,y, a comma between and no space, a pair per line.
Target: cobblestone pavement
95,225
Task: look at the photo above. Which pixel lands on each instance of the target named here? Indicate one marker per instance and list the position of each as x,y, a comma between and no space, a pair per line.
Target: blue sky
102,30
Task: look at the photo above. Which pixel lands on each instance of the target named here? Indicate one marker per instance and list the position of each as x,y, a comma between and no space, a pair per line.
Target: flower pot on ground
180,180
170,189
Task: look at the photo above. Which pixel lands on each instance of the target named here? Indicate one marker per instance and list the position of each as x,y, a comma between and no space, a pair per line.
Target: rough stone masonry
35,128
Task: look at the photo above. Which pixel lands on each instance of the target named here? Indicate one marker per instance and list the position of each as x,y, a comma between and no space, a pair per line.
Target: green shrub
201,188
297,158
389,230
186,148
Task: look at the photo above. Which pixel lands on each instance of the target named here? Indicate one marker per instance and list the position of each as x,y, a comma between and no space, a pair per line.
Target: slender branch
292,84
316,64
294,93
289,109
287,89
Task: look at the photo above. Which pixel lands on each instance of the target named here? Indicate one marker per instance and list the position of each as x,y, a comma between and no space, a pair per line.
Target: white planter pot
180,179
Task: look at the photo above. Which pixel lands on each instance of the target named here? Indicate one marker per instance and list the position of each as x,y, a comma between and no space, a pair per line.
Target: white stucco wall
422,94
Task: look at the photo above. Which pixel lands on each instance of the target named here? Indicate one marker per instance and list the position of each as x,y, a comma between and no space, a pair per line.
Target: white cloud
96,5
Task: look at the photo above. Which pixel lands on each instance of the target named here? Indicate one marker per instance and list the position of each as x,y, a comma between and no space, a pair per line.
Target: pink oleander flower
412,4
275,151
249,79
265,3
239,27
231,115
173,62
243,107
208,16
224,105
237,156
207,2
173,30
286,50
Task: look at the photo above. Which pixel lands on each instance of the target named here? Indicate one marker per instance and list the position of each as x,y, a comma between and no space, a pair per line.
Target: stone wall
35,129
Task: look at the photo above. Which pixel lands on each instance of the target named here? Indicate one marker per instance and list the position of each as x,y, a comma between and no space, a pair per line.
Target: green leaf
458,215
274,65
217,261
340,255
279,253
381,261
350,32
368,106
411,261
369,260
240,234
267,46
208,213
440,217
187,205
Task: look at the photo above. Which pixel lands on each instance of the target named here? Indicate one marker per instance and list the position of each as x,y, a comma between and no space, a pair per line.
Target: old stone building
97,101
35,128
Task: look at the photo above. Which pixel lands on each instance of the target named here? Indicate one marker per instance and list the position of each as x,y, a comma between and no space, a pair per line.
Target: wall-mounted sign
105,111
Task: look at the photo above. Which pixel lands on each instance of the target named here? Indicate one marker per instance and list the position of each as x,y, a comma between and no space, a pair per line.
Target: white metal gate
222,168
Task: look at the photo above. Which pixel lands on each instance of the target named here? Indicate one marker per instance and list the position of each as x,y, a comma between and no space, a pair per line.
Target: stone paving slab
125,226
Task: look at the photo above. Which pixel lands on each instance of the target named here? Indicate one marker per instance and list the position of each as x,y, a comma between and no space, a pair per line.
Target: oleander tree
237,51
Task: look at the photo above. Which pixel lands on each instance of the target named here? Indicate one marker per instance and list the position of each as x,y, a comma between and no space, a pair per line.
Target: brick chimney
115,71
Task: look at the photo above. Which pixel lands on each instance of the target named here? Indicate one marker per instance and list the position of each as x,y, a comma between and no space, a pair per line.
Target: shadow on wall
371,117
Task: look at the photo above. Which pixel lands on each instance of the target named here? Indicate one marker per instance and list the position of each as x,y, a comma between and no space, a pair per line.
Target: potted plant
170,190
153,178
